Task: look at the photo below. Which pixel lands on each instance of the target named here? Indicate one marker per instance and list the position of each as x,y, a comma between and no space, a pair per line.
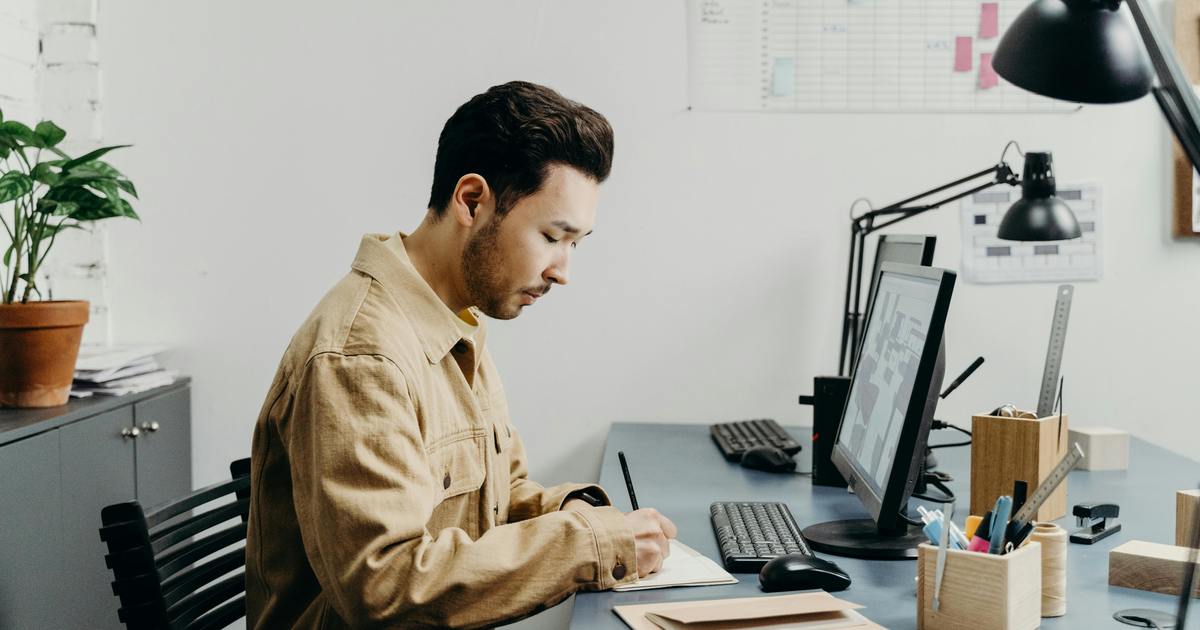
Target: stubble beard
482,267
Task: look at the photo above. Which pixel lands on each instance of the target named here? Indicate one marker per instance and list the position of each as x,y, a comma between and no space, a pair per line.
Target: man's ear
470,194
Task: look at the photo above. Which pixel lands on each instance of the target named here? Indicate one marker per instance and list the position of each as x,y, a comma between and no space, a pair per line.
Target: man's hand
651,531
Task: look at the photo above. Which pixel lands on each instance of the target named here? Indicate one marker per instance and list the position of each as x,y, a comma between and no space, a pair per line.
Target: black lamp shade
1039,215
1074,50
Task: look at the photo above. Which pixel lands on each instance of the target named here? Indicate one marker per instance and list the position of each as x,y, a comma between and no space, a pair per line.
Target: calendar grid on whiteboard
852,55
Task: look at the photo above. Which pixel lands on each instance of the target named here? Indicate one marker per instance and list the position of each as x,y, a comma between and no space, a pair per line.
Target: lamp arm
1174,93
865,224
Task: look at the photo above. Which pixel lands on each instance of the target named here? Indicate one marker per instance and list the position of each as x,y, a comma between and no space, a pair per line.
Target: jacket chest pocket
457,464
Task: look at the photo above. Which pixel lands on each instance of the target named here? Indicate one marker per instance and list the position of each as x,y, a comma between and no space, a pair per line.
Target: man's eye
549,239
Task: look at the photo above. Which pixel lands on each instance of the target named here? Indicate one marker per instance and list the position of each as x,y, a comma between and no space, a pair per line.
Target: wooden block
1149,566
1004,450
1187,502
1104,448
981,591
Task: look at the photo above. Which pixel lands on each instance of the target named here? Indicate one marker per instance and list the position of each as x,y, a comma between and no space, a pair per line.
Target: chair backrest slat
165,537
182,556
220,618
196,604
178,506
189,580
174,570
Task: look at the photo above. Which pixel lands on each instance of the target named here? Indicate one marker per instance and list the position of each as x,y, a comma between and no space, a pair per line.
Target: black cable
951,445
937,483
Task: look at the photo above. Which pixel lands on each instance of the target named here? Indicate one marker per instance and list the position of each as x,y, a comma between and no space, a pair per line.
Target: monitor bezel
928,243
885,509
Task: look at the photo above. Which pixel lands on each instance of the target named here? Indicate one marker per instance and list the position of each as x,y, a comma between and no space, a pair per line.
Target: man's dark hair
511,135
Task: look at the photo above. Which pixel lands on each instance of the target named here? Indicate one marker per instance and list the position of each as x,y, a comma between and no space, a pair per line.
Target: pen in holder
1005,450
980,591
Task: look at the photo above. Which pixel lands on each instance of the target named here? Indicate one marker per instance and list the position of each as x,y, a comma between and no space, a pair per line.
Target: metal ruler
1058,336
1043,492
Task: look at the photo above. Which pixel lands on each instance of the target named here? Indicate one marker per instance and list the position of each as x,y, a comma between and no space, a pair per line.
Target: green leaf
88,157
50,230
127,186
14,184
8,254
44,173
49,133
18,131
88,205
57,208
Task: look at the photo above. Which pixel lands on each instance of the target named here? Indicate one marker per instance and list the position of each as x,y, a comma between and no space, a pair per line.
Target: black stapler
1093,518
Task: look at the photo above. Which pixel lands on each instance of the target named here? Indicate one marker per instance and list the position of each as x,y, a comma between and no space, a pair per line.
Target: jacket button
446,482
618,572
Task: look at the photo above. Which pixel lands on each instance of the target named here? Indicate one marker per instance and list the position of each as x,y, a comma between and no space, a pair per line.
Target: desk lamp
1084,51
1038,216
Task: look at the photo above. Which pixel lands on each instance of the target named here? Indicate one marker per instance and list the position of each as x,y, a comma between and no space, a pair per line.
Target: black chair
176,566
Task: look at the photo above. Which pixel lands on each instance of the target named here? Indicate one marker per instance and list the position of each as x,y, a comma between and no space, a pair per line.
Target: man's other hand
651,533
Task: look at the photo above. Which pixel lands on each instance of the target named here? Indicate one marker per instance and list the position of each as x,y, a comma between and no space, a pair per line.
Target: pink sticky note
962,54
989,20
987,75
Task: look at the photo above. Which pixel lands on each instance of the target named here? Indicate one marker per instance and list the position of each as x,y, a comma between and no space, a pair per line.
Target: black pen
628,480
966,373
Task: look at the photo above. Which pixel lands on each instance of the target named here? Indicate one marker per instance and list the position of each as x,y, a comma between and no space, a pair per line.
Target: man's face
514,258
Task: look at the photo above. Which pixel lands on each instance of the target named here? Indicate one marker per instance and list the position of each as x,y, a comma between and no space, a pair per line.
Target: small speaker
828,402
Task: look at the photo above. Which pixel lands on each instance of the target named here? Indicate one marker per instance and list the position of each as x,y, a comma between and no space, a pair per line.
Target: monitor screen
882,387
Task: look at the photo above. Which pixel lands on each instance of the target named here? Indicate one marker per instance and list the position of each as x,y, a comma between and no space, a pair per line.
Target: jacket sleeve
364,491
527,498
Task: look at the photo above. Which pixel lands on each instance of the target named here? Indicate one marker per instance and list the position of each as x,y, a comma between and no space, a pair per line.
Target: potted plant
39,340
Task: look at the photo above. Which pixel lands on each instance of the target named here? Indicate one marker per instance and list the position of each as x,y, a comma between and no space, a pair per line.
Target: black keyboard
733,438
751,533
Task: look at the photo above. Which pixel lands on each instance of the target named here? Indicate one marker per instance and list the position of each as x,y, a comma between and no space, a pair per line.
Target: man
389,488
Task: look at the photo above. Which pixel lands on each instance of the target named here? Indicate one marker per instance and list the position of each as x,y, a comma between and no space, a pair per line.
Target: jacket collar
384,258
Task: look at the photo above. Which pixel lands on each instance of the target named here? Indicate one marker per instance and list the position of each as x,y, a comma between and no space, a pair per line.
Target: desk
677,470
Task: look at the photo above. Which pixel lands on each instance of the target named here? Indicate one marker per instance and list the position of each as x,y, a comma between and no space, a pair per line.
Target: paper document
811,610
684,567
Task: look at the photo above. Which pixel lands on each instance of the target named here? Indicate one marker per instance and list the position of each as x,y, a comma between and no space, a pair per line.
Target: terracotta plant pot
39,343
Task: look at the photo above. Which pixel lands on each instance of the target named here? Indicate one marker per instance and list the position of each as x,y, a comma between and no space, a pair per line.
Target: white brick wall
18,59
53,73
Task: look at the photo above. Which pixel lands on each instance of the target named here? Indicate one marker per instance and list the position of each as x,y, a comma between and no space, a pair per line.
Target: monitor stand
860,538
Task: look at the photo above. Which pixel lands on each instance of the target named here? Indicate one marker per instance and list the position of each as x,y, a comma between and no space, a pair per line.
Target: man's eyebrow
567,227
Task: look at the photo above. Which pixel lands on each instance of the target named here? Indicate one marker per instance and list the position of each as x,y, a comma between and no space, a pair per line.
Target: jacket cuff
615,550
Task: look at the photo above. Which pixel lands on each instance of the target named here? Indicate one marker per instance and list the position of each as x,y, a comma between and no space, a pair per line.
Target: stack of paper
119,370
811,610
684,567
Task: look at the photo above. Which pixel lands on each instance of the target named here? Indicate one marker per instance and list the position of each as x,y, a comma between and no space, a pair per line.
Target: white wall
271,135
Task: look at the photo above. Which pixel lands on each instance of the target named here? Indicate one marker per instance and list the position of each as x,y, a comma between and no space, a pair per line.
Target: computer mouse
768,458
797,571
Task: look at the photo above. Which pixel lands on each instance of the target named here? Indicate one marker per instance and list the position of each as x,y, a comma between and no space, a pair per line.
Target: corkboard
1187,48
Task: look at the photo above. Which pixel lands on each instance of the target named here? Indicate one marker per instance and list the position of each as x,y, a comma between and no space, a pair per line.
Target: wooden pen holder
981,591
1004,450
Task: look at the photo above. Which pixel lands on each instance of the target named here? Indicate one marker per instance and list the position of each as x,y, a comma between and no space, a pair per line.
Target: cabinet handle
130,432
150,426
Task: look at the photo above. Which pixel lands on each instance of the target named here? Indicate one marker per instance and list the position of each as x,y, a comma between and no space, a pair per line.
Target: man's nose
557,272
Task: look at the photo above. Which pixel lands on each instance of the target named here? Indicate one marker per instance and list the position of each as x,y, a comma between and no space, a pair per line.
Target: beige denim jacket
389,488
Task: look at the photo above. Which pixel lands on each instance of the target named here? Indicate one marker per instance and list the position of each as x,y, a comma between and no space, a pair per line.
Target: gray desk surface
678,470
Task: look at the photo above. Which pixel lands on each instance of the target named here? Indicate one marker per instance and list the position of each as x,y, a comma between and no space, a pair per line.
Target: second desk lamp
1037,216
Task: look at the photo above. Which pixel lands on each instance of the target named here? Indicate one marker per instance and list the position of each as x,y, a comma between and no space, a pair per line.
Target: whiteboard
852,55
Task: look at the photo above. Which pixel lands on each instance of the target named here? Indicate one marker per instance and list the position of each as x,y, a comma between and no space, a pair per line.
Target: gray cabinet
58,468
30,539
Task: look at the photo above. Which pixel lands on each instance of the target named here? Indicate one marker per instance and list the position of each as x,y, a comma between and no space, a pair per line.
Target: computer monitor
880,445
910,249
